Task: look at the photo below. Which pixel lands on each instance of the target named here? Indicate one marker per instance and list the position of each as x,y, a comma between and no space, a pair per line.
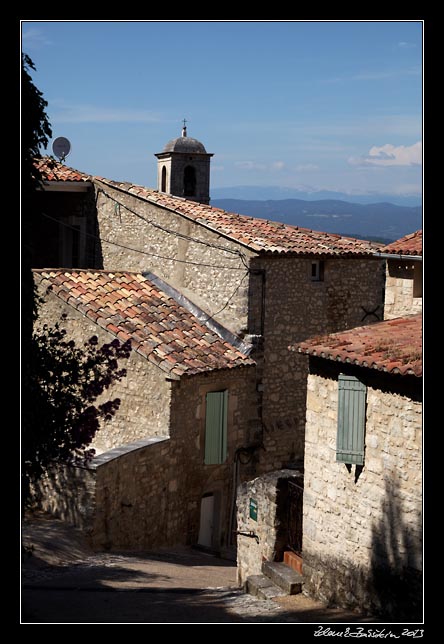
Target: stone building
362,525
403,287
164,464
268,283
183,169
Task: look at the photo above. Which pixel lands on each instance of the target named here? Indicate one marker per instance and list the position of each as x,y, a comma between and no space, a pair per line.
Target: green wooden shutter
216,427
351,420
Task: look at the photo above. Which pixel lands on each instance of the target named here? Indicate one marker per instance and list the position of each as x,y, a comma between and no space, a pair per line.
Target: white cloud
306,167
253,165
391,155
250,165
34,38
65,113
217,168
406,45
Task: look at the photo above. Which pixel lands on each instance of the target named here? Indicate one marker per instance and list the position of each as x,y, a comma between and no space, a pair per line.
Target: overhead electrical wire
144,252
209,317
229,299
238,253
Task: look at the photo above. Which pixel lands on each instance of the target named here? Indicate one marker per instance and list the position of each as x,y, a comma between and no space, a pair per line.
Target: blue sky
318,105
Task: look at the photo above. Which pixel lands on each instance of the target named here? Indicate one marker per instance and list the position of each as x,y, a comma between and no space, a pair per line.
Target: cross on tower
185,122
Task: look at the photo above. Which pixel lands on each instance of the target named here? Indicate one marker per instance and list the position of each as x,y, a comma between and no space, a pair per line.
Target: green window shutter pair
351,420
216,427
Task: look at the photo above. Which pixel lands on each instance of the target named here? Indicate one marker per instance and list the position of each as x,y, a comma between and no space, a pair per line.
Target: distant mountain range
265,193
378,221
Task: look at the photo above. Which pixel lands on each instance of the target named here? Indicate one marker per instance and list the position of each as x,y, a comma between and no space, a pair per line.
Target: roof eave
65,186
312,353
401,256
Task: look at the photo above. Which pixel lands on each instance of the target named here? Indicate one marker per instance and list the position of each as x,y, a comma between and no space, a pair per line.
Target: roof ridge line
86,270
203,317
108,182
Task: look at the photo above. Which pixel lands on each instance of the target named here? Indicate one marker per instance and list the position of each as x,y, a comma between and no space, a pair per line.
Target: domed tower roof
183,168
185,144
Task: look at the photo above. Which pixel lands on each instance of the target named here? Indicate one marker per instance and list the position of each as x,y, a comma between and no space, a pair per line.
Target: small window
417,280
216,427
164,179
317,270
351,420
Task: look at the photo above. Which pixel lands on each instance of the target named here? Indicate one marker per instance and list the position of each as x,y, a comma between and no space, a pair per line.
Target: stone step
262,587
283,576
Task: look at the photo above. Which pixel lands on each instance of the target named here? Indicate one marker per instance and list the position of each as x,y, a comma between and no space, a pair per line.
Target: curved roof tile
259,235
408,245
130,306
52,170
393,346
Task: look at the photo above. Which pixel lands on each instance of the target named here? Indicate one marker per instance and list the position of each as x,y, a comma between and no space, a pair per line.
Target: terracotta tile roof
130,306
259,235
394,346
408,245
52,170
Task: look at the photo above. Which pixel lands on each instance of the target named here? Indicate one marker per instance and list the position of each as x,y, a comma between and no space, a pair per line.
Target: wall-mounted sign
253,509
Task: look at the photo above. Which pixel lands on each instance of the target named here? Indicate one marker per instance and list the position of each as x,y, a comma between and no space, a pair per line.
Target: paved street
65,582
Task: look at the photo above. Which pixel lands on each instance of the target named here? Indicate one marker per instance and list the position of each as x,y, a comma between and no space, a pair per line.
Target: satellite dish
61,148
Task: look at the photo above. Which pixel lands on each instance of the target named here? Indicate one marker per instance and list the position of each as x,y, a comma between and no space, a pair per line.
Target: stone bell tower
183,168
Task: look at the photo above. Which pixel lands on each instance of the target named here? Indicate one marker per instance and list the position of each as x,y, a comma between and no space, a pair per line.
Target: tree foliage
35,132
62,384
35,127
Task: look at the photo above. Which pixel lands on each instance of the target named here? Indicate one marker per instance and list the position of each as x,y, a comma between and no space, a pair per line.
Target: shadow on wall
396,562
94,242
68,493
391,584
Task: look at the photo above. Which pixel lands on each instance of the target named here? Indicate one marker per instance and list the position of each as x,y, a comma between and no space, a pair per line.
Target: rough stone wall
188,430
276,305
270,493
399,289
144,392
151,496
175,166
208,275
362,526
68,492
297,308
